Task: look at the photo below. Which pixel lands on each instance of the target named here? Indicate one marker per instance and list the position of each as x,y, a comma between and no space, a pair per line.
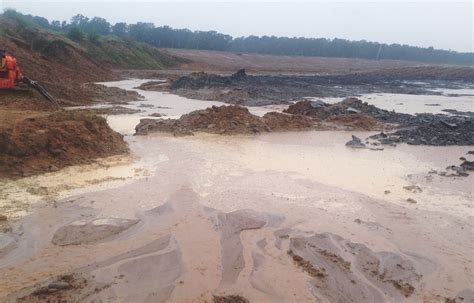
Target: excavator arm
40,89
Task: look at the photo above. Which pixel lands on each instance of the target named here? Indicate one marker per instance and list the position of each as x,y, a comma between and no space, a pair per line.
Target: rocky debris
157,115
421,129
355,143
370,276
229,299
467,165
459,113
348,106
471,152
45,142
240,74
413,188
282,89
62,289
307,266
456,171
59,285
436,130
87,232
351,113
3,218
228,120
412,201
351,110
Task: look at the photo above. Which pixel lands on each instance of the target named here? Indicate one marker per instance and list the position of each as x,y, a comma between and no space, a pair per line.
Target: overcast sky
441,24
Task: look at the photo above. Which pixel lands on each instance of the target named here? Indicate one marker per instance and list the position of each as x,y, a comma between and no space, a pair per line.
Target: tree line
164,36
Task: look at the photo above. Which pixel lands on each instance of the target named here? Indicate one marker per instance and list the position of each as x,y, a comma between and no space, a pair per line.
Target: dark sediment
244,89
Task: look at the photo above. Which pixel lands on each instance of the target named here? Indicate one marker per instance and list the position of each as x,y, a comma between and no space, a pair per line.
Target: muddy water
414,104
192,244
169,105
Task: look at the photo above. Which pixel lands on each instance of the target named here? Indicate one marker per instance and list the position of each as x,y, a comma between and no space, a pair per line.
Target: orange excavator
10,76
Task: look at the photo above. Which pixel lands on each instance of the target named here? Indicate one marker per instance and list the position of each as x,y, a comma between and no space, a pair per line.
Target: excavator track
41,90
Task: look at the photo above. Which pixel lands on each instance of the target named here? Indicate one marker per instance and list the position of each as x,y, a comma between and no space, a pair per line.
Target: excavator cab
10,73
10,76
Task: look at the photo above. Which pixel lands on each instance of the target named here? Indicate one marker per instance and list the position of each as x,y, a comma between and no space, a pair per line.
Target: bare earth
228,61
222,214
278,217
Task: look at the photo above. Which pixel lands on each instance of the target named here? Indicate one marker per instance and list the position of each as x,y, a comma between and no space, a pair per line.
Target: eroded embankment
37,142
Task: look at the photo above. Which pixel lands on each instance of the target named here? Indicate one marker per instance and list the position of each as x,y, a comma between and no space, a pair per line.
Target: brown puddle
214,218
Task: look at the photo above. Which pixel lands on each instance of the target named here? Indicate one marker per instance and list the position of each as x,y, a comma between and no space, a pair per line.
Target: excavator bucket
40,89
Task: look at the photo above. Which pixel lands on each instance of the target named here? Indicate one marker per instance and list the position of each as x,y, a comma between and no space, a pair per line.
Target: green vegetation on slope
108,51
167,37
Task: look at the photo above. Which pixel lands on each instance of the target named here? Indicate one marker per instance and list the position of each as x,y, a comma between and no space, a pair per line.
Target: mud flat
279,217
221,215
255,90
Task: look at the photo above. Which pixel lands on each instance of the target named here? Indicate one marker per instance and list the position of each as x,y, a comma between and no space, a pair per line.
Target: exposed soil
229,61
219,120
62,289
60,65
230,299
421,129
242,88
323,257
234,119
34,137
35,142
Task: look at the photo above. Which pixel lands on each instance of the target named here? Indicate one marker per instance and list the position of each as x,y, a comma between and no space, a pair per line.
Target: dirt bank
63,65
253,90
33,142
234,119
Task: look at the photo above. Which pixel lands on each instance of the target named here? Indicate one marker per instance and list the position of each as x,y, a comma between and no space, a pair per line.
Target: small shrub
75,34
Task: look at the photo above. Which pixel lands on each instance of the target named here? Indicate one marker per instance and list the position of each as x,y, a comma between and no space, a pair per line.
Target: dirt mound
347,107
219,120
46,142
355,122
228,120
286,122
